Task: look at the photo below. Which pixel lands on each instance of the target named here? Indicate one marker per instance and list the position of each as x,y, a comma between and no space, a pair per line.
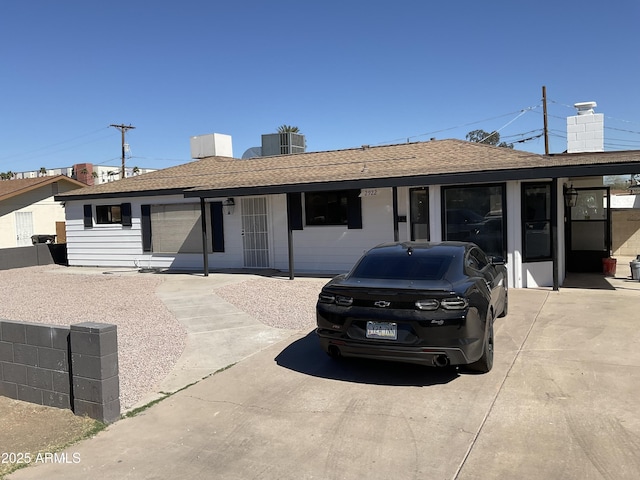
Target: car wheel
485,363
506,305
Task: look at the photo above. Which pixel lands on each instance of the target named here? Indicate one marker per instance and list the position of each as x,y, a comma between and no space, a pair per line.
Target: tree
288,129
42,171
493,138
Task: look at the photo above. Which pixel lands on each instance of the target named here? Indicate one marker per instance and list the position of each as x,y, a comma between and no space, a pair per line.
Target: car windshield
402,267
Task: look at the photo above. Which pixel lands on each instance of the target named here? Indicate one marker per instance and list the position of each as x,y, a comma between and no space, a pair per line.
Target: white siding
118,246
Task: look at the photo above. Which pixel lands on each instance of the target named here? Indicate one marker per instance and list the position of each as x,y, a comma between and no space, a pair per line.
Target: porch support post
290,243
554,233
290,240
396,231
205,241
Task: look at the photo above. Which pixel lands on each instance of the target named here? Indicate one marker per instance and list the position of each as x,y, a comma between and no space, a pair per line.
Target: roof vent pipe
585,108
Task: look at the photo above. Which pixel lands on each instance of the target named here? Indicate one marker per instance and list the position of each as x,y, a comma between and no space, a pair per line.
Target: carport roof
420,163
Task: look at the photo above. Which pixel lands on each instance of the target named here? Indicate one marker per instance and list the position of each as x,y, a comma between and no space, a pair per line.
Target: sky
346,73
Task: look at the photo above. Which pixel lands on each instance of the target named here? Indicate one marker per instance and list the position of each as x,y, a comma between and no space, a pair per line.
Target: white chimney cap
585,108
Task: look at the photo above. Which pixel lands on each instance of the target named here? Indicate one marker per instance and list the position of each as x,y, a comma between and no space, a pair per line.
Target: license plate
384,330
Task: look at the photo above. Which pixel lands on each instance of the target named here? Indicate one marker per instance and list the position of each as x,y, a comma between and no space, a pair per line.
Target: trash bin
635,268
609,267
43,239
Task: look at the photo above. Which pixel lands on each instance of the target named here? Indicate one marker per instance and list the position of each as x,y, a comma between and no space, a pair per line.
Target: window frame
503,204
105,214
352,212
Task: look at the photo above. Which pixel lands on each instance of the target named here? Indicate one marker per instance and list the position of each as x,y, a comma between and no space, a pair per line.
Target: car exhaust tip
441,360
334,352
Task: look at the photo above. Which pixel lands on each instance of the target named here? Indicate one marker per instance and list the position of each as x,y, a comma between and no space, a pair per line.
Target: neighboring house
318,212
27,207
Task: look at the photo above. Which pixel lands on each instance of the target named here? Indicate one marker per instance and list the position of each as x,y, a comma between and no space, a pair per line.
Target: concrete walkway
562,401
218,334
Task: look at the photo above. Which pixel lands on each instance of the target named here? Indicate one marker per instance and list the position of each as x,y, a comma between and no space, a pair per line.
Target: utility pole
546,127
123,129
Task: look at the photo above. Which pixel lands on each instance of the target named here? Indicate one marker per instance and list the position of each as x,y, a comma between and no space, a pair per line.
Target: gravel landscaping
52,295
150,339
276,302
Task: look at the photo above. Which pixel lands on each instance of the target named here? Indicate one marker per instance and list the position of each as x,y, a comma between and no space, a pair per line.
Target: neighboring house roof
13,188
434,162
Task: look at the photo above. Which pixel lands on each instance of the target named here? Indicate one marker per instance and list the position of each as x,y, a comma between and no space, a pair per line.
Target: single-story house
317,212
27,208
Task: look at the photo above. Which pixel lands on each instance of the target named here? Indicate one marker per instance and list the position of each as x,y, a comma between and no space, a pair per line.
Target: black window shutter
88,216
294,210
354,210
125,211
217,225
146,227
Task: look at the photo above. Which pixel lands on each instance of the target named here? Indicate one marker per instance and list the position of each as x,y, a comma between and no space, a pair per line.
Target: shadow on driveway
306,356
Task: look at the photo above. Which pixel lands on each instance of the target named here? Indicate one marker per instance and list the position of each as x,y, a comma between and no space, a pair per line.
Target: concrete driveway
562,402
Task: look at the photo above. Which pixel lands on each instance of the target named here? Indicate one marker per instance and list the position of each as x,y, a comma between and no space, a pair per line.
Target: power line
55,144
409,138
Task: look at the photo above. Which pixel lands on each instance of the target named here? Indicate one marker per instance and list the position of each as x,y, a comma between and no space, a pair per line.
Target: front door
255,238
588,230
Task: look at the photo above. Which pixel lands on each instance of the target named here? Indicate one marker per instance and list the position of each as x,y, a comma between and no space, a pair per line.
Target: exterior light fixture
228,206
570,196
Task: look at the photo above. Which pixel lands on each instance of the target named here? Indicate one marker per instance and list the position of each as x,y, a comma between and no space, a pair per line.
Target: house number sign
368,192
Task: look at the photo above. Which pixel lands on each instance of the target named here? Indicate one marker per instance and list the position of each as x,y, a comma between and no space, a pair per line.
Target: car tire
505,310
485,363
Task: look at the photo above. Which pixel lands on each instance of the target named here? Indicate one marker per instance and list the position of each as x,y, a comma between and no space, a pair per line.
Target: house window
108,214
476,214
176,228
536,221
341,207
326,208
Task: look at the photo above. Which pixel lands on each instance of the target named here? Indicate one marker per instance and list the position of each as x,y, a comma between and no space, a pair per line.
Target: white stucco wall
45,212
332,249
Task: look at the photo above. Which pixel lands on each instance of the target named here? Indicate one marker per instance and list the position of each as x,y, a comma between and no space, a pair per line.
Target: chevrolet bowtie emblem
382,303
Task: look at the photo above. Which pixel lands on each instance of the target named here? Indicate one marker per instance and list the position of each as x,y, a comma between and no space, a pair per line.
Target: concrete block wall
66,367
585,133
94,362
18,257
626,232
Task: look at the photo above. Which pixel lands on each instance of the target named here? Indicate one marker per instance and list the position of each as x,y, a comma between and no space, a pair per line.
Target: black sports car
425,303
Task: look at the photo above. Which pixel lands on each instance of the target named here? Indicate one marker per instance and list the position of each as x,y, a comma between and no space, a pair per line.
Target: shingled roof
434,162
19,186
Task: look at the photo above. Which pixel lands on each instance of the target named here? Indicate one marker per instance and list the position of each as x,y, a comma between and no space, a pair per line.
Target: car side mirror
497,261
